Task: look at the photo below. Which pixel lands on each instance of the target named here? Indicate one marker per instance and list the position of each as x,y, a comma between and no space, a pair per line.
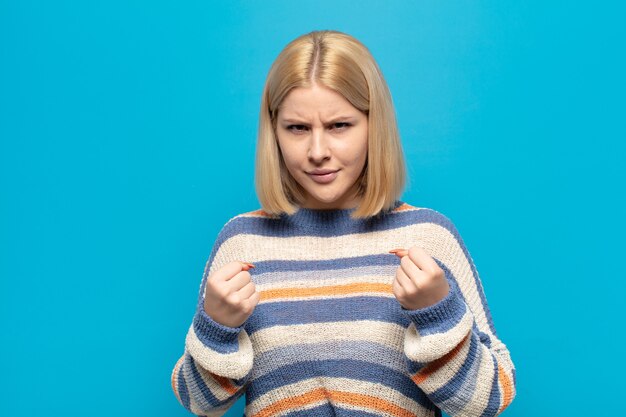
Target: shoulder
417,214
250,222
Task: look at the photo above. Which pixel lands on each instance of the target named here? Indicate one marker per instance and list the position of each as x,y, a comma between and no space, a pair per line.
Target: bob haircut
340,62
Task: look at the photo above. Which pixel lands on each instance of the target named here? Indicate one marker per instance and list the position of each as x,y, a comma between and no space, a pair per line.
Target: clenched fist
230,295
419,281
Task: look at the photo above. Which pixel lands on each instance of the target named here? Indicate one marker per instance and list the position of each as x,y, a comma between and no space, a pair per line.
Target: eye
296,128
341,125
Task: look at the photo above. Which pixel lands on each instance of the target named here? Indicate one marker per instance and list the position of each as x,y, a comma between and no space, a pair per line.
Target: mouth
323,178
322,171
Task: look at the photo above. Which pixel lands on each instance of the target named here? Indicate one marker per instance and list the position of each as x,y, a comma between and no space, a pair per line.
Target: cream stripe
335,384
231,365
330,297
387,334
273,277
433,346
325,280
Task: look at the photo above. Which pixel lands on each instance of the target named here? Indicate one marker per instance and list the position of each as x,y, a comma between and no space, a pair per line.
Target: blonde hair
340,62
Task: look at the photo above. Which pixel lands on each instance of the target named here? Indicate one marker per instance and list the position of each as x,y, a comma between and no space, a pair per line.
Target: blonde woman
336,298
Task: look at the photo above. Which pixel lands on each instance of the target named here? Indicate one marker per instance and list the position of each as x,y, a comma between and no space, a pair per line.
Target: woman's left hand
419,281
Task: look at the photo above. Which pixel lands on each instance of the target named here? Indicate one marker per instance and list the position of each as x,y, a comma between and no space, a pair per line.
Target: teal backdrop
128,134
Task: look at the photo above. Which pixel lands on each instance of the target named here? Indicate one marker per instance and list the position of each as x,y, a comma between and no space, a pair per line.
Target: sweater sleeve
217,360
452,350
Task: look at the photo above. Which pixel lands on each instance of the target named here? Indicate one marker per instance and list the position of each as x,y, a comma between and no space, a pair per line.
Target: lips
322,171
324,176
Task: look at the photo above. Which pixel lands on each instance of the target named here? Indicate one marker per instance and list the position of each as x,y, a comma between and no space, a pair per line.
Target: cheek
357,151
290,156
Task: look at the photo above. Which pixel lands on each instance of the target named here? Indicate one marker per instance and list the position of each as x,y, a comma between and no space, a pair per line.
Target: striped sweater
329,338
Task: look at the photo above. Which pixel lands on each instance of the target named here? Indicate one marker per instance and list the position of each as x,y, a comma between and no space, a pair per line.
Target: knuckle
248,307
233,299
211,280
397,290
219,291
439,273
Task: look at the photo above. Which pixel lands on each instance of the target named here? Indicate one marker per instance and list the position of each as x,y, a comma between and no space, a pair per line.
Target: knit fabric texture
329,338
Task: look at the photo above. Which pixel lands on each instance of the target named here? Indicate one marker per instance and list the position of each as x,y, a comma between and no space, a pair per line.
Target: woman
326,320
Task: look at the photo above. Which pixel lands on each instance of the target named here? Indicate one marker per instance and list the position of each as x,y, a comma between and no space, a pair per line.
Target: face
323,140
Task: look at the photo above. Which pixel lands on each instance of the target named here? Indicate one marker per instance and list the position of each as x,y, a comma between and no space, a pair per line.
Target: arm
451,347
217,361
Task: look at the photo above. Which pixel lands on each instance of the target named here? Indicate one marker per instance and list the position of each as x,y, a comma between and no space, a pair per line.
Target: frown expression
318,130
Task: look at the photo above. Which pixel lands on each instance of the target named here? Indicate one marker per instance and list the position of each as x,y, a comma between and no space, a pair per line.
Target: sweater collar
328,219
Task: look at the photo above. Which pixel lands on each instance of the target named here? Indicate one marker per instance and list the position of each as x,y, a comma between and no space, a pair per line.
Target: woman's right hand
230,295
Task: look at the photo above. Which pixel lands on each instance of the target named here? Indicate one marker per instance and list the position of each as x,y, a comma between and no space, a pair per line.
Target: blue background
128,134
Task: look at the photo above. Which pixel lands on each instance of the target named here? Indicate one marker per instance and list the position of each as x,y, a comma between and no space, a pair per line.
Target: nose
318,146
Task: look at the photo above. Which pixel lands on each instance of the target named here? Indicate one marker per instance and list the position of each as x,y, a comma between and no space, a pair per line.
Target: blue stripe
352,369
315,223
215,336
350,349
182,389
208,400
327,409
485,339
494,398
375,265
300,225
414,366
268,314
282,266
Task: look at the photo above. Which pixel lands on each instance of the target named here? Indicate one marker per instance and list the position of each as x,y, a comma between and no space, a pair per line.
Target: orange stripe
321,394
435,365
507,386
404,207
357,287
259,212
225,383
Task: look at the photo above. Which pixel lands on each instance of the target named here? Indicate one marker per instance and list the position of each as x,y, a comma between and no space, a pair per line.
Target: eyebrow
333,120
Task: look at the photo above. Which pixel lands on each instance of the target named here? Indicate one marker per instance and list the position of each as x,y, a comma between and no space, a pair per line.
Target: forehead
315,101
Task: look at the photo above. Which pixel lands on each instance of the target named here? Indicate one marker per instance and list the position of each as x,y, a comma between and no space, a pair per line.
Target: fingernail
399,252
247,265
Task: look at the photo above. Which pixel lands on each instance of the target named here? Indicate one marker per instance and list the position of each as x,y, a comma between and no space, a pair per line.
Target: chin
325,199
326,203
